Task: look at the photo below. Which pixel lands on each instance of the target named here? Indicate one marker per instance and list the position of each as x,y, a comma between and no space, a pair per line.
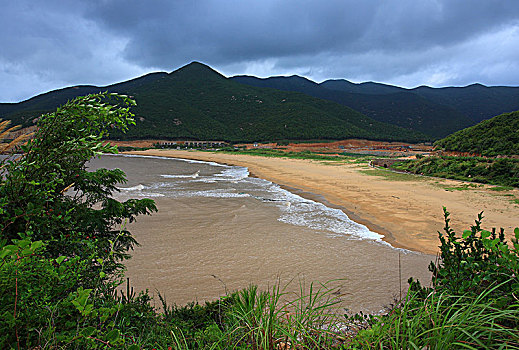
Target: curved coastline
408,214
386,235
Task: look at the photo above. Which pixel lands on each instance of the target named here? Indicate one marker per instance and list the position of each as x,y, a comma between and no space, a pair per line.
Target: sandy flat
408,213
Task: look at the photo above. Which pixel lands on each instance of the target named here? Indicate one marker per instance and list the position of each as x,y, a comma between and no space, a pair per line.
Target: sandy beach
407,212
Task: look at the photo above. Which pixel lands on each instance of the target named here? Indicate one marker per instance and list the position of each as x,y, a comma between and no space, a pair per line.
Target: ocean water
218,229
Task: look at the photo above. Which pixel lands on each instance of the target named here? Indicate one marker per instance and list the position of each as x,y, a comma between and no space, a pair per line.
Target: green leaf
60,259
24,243
485,234
27,252
503,248
36,245
113,335
10,248
87,332
466,234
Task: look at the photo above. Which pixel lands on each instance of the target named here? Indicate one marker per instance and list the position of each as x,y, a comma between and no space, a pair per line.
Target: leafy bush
476,262
63,236
473,302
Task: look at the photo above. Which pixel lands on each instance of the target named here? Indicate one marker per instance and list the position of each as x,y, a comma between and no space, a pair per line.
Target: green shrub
477,261
472,303
63,236
503,171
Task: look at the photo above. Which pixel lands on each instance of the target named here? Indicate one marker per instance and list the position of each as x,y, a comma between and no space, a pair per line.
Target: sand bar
408,213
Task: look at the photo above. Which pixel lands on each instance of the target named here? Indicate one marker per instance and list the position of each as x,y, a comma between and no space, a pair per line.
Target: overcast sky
50,44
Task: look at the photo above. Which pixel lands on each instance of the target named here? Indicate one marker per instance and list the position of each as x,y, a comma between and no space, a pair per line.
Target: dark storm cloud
162,32
405,42
49,44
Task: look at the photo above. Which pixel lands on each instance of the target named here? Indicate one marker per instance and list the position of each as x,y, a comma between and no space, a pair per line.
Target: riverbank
406,209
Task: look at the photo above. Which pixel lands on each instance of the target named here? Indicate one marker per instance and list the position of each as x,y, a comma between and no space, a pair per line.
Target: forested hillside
496,136
388,104
436,112
477,102
196,102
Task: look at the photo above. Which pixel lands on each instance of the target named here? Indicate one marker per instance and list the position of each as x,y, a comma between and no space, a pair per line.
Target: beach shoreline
407,213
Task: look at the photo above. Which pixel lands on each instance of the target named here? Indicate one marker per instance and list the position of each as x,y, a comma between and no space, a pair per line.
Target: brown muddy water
219,230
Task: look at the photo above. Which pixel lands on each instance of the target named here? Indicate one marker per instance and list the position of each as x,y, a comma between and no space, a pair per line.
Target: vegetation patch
501,172
392,175
463,187
267,152
493,137
501,188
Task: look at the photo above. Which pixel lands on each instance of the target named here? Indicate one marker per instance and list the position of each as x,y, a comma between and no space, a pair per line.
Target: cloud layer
51,44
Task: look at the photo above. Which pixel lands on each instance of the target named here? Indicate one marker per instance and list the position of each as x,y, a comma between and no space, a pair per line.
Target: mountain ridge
401,108
197,102
436,112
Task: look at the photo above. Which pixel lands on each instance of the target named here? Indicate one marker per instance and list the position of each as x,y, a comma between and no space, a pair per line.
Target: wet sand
408,213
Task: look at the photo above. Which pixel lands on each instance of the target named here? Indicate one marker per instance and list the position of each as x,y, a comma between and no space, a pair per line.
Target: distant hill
23,112
496,136
385,103
196,102
434,111
477,102
369,88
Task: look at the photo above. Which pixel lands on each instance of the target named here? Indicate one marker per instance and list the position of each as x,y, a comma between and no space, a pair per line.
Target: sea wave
235,182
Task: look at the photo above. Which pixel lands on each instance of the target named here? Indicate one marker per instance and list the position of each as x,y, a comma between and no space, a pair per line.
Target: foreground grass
443,321
253,319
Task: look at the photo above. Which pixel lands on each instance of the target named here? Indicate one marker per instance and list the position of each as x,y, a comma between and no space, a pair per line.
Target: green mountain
496,136
369,87
477,102
24,112
385,103
196,102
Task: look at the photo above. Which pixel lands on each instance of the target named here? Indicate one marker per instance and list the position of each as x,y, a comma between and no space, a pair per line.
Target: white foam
295,210
151,194
234,173
211,194
299,211
191,176
139,187
231,174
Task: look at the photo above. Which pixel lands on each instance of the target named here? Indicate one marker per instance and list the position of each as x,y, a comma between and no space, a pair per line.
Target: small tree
49,195
62,235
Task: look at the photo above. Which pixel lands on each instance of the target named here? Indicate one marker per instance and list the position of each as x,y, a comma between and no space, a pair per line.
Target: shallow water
218,230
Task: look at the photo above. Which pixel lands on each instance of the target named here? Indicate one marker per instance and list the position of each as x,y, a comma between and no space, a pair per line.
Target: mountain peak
197,70
196,65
